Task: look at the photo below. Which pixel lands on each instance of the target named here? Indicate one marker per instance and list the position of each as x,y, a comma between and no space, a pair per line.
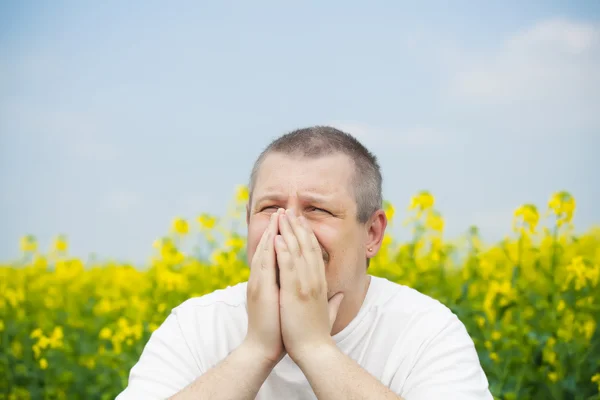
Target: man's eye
267,207
318,209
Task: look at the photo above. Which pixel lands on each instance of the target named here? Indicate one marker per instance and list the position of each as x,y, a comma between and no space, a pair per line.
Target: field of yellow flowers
71,330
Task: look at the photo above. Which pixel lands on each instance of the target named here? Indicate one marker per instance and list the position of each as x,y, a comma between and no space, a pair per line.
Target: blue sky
116,118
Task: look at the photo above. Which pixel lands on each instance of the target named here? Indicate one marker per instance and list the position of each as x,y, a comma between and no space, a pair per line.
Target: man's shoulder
218,317
399,298
206,328
406,310
425,341
419,321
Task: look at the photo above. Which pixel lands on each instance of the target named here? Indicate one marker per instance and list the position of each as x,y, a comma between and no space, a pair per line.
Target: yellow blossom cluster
54,341
73,329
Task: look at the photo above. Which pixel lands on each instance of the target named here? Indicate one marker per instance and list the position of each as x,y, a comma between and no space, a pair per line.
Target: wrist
258,356
315,355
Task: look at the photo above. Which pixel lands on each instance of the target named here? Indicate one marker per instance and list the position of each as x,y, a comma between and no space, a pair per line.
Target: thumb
334,306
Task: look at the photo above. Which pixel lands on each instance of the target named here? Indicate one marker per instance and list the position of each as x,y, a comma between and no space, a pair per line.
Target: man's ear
247,213
375,231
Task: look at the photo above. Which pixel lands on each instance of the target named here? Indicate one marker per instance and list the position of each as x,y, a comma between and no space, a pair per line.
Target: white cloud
557,35
552,67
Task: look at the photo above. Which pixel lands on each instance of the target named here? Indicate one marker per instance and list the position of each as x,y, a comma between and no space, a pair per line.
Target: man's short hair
318,141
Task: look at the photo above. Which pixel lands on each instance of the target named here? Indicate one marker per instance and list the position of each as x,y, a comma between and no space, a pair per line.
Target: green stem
519,383
553,253
553,262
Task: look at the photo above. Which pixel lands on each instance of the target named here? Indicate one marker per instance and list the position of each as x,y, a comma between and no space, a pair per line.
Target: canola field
71,329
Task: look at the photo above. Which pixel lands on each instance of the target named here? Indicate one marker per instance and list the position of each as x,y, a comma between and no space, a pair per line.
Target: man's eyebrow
308,197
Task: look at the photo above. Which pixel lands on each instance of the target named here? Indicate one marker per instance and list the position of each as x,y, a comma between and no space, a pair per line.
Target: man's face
319,189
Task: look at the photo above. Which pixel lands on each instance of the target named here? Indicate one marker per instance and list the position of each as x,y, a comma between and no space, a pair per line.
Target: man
310,322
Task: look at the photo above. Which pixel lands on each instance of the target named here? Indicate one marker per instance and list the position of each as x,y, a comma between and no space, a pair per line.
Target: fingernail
290,212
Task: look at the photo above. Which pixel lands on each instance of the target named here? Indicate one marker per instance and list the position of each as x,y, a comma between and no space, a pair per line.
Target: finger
333,306
267,263
259,261
299,231
289,257
311,249
306,273
287,232
306,281
287,273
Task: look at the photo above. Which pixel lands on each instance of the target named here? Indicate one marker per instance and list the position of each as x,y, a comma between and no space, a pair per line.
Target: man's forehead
309,194
323,171
313,191
317,178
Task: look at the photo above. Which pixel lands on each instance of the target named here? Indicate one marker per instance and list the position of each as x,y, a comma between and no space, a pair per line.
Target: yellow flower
389,210
206,221
562,204
169,251
596,379
105,333
1,325
588,328
422,201
242,195
40,262
16,349
552,376
43,363
235,242
526,218
180,226
494,356
60,244
550,357
581,274
88,362
387,240
496,335
480,321
435,221
28,244
37,333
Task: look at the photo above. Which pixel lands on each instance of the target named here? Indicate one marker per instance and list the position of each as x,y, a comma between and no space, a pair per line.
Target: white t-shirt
410,342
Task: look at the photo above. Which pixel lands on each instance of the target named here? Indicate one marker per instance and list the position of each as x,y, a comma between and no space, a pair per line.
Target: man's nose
293,203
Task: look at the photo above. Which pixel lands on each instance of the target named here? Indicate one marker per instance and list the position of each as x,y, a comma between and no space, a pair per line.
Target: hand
264,330
307,316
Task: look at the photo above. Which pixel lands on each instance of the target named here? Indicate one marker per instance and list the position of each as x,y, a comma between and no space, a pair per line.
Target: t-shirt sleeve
165,366
446,365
